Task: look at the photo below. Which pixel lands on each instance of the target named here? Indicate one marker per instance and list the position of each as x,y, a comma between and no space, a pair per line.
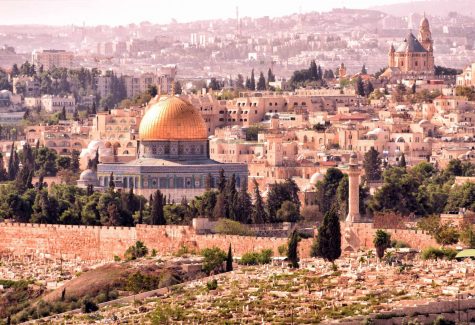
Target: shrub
440,320
183,250
282,249
212,285
139,282
265,257
231,227
381,241
89,306
249,259
136,251
255,258
447,235
399,244
213,259
438,253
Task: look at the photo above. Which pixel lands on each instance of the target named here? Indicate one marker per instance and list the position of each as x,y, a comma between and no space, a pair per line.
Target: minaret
354,190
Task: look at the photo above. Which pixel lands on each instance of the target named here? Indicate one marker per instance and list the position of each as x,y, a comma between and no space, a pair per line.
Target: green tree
363,69
219,210
213,260
327,189
288,212
270,76
157,214
381,241
136,251
372,165
359,85
292,250
402,161
221,181
252,81
111,182
243,207
261,82
229,260
259,214
329,237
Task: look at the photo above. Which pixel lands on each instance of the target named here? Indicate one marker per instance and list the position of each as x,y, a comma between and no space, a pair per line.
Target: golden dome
171,118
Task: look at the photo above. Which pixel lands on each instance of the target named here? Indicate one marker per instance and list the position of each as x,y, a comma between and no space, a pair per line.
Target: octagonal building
172,155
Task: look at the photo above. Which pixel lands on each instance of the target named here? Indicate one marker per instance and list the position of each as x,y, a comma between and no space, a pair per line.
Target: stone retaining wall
102,243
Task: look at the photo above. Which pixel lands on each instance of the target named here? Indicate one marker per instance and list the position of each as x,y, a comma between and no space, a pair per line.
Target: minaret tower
354,190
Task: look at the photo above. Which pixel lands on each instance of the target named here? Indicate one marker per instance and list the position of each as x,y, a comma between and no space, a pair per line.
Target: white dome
316,178
88,176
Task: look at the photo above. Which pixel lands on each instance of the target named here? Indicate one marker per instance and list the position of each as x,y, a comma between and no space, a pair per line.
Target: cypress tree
402,161
208,182
111,182
292,250
252,83
230,198
261,82
329,237
157,215
259,214
11,163
243,211
221,181
229,260
219,210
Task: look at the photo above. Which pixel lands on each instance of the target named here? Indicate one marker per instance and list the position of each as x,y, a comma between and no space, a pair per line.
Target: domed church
173,154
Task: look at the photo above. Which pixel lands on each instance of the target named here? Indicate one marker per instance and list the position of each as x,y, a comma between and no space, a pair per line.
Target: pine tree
261,83
292,250
94,109
329,237
229,260
259,214
221,181
372,165
252,82
157,214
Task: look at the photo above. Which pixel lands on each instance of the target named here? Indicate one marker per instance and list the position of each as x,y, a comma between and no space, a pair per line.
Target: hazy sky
117,12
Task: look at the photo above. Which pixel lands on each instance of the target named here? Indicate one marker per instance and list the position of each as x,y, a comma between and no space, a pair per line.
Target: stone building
414,56
173,154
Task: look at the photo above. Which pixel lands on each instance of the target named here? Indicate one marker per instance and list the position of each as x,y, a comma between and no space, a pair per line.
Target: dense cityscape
317,167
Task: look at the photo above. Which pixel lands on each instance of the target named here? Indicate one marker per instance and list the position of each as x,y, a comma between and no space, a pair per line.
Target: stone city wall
102,243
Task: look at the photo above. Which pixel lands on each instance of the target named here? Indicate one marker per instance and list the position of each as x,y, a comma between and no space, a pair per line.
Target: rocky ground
359,285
